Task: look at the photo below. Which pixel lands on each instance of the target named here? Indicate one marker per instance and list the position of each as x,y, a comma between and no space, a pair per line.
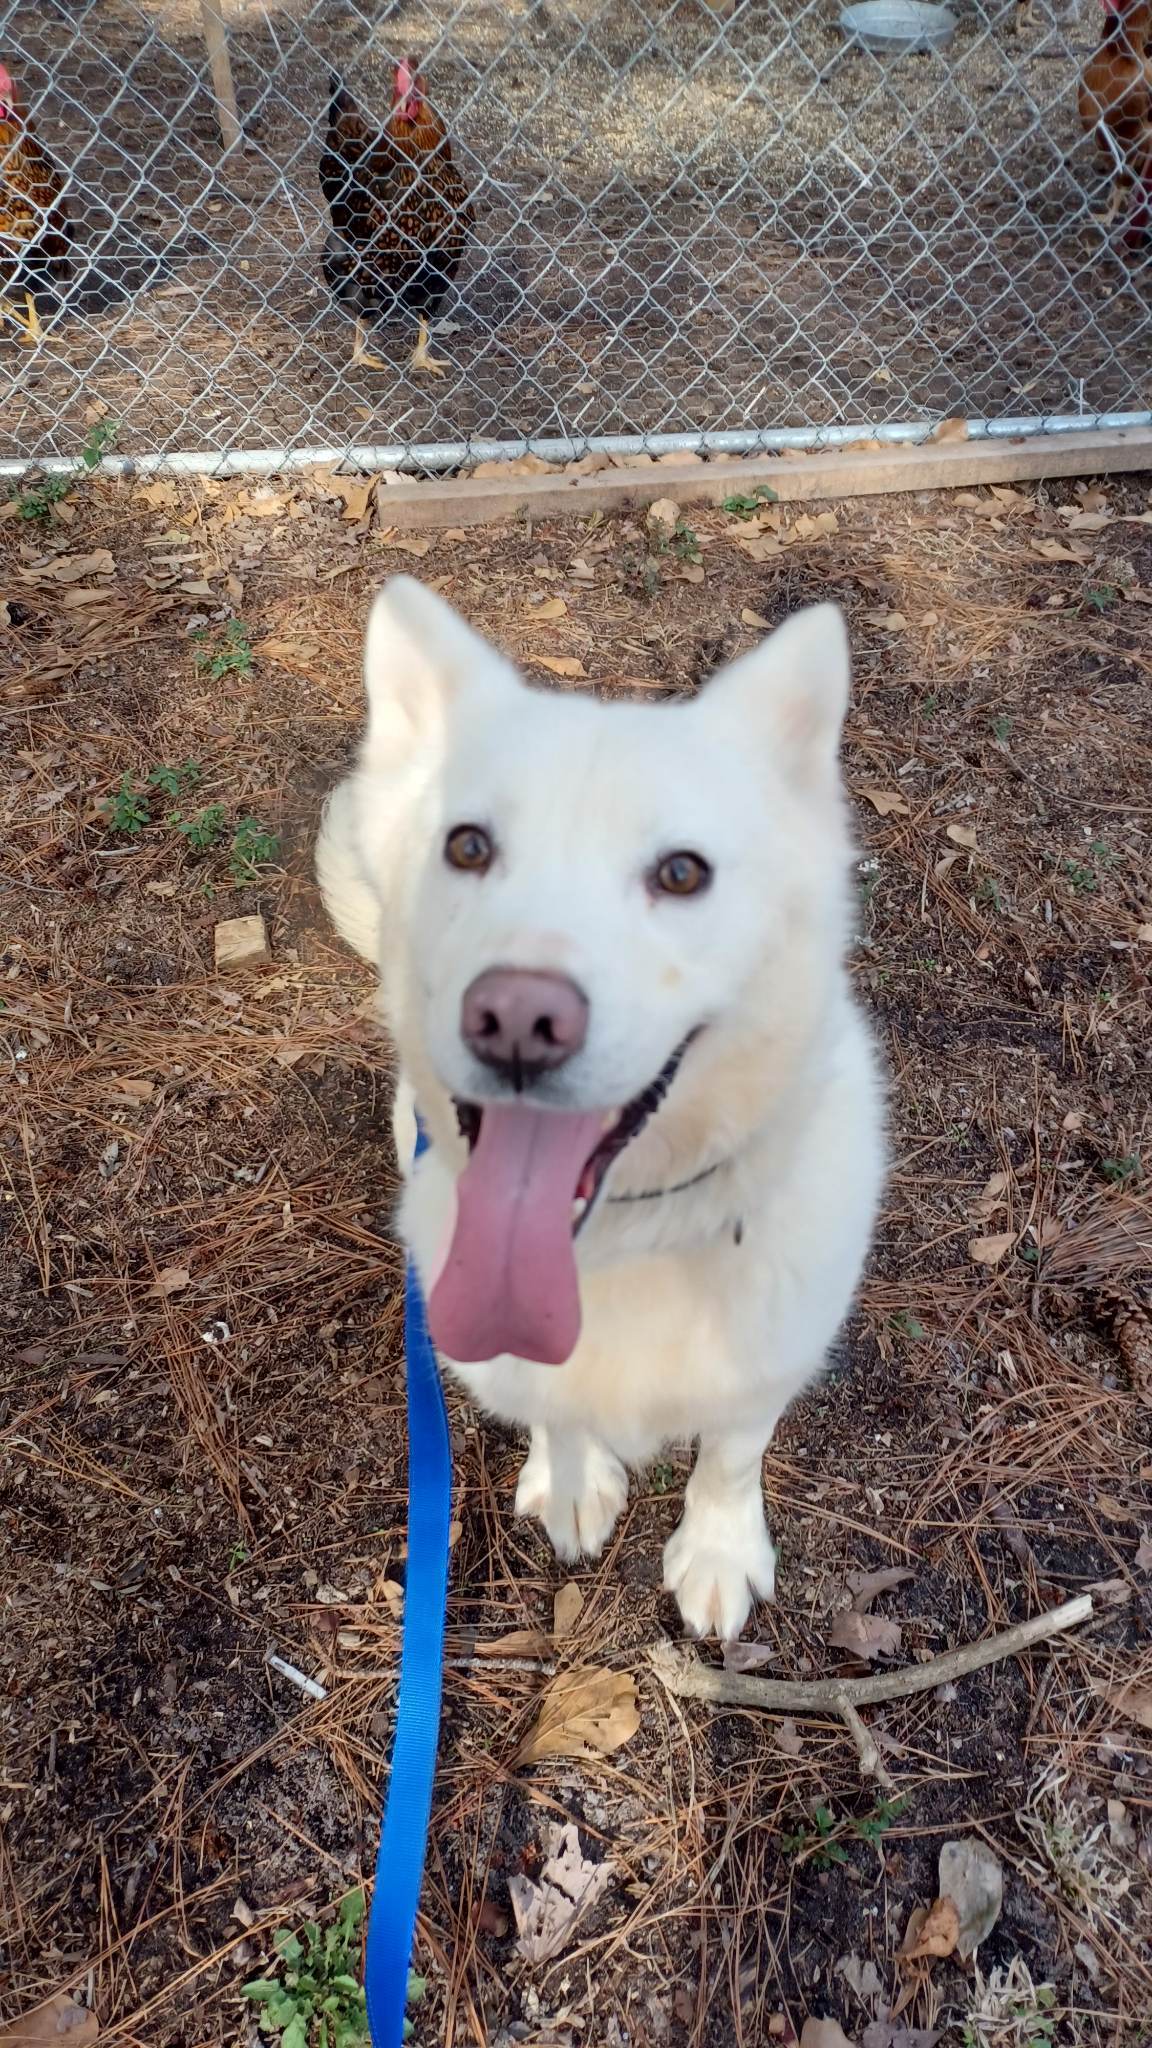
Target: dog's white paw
718,1563
577,1497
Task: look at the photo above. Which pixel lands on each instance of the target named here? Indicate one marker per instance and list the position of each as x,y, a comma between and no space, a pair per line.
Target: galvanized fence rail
720,225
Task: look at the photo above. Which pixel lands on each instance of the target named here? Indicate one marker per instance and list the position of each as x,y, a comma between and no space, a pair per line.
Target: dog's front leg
720,1559
577,1487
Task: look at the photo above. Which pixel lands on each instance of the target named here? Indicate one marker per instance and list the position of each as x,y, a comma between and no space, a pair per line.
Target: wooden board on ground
825,474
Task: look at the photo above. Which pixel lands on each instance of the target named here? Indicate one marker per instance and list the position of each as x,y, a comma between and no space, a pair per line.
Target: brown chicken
1116,109
35,236
400,211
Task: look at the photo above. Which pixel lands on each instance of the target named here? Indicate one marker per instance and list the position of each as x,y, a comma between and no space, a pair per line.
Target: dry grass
183,1152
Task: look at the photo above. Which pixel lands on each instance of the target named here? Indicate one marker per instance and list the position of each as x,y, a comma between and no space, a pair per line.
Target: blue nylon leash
408,1802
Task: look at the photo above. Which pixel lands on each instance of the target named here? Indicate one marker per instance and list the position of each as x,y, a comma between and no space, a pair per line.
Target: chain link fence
690,221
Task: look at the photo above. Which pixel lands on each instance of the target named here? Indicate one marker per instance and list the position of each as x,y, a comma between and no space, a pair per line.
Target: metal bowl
898,27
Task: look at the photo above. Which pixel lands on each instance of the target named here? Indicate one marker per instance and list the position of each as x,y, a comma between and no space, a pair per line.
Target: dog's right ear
419,658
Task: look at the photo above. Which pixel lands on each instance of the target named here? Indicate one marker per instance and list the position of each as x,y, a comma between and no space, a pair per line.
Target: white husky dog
610,940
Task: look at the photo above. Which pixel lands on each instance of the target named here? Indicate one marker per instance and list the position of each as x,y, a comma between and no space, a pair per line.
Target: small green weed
905,1325
1120,1171
38,501
746,504
1081,878
929,705
317,2000
874,1826
1002,728
662,1478
237,1556
1103,854
1101,598
176,782
252,848
989,892
127,811
224,654
816,1842
97,441
205,830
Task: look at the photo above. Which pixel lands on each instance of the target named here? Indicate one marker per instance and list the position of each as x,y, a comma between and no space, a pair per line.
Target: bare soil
201,1407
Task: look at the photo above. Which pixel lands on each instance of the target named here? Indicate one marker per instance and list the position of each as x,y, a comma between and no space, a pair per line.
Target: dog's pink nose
523,1024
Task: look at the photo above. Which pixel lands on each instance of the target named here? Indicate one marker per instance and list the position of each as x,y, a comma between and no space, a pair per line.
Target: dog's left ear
791,694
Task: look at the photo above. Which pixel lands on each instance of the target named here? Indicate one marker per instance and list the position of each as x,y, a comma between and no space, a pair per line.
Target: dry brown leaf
748,1656
937,1934
73,568
824,2034
750,618
991,1199
552,608
867,1586
665,512
86,593
560,664
355,493
789,1739
893,622
861,1974
759,547
156,494
887,803
865,1635
1060,551
971,1881
586,1712
130,1090
521,465
1133,1701
963,835
170,1280
409,546
816,526
691,572
945,865
519,1642
951,430
287,650
547,1913
60,2019
566,1609
988,1251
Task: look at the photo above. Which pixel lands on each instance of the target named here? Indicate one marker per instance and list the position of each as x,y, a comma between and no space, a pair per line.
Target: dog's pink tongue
509,1281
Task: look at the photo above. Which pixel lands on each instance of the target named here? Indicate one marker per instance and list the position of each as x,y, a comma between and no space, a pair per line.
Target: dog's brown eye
681,874
469,848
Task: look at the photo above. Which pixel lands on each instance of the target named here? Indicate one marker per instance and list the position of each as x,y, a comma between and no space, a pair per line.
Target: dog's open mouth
509,1282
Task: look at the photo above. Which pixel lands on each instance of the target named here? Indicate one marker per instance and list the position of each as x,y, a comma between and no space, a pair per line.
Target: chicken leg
28,322
421,361
362,354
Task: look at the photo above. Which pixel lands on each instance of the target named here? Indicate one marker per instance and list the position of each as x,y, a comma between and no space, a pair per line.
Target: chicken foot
28,322
362,354
421,361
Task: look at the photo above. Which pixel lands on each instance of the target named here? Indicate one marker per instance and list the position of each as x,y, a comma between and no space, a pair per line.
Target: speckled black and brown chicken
35,236
400,211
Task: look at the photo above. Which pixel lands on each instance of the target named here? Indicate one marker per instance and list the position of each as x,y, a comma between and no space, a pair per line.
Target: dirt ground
684,223
201,1424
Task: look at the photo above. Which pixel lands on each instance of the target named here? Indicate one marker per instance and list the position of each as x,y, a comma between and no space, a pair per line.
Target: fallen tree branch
688,1679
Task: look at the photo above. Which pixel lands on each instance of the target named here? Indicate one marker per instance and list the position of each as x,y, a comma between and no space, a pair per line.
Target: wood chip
241,942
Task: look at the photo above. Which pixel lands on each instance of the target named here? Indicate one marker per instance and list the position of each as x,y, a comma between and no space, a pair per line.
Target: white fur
687,1332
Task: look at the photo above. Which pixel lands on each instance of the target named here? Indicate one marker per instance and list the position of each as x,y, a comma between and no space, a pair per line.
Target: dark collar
678,1188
